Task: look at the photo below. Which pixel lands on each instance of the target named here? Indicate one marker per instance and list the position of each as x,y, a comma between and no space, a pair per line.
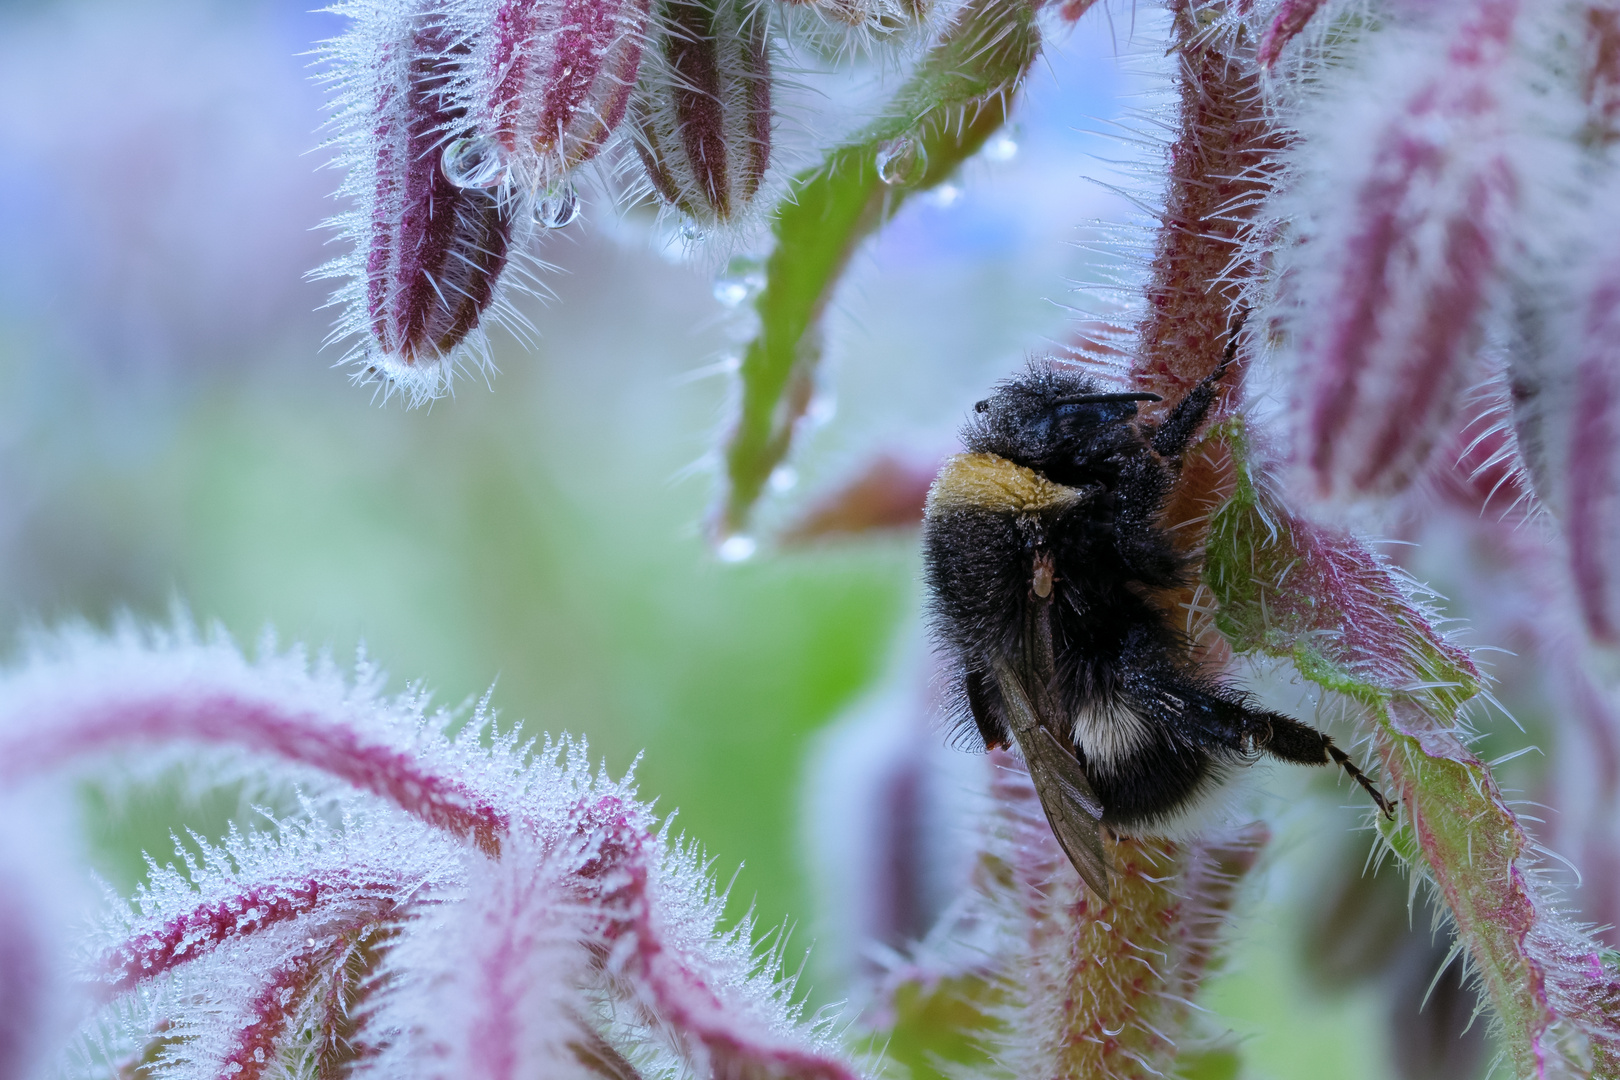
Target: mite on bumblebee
1044,550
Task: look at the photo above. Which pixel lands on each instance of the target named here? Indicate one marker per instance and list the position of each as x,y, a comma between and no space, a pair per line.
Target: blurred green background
171,432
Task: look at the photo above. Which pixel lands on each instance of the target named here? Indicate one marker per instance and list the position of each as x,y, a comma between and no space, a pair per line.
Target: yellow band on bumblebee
989,482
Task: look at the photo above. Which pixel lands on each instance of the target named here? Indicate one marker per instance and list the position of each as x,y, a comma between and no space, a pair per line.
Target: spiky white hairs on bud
247,960
701,117
432,249
1404,195
547,82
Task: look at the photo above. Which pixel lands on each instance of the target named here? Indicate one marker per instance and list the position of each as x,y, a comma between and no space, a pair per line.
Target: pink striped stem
1221,164
321,741
523,964
1412,278
1592,518
255,1047
326,979
333,896
1486,471
1291,18
670,984
1075,10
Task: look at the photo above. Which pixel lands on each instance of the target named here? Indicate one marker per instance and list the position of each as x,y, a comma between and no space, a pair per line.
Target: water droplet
823,407
783,478
474,163
902,161
692,232
1001,147
557,208
742,279
737,548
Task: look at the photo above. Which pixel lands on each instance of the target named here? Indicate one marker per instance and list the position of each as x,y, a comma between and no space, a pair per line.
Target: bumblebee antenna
1095,399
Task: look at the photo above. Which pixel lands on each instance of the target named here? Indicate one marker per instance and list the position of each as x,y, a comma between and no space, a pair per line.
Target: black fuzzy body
1152,730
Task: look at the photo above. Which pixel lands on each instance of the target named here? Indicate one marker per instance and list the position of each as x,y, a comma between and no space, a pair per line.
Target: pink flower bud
1592,486
551,80
703,111
1408,272
888,493
431,233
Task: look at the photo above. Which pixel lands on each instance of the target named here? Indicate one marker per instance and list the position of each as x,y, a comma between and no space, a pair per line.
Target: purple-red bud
552,78
430,250
1592,487
1408,274
702,113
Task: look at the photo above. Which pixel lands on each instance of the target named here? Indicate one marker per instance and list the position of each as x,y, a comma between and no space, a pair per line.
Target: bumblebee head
1053,421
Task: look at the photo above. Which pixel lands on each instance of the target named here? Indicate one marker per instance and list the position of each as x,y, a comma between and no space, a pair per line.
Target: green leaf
1353,624
1348,620
940,1023
958,95
1218,1063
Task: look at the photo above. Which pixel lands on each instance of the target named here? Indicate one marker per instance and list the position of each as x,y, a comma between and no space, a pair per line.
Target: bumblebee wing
1067,798
1072,808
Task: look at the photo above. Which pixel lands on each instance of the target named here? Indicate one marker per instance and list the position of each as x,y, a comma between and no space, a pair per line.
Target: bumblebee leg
1171,440
991,728
1304,745
1196,714
1209,719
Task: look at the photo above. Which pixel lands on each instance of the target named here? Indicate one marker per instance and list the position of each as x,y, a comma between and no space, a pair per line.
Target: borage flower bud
702,113
550,79
1592,461
430,229
1407,270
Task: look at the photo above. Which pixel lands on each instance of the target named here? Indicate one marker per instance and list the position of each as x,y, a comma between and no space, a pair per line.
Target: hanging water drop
737,548
473,163
742,279
784,478
902,161
557,208
692,232
823,407
1001,147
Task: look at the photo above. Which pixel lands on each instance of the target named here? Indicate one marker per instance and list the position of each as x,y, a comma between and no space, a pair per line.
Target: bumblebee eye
982,407
1094,413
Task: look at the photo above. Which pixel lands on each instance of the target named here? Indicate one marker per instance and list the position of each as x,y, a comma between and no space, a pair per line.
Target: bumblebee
1048,564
